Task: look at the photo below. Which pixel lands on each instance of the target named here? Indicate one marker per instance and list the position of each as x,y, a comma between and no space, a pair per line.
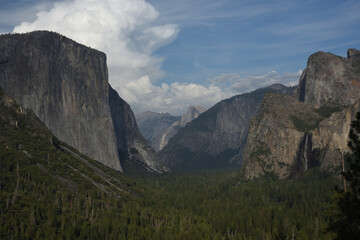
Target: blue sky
255,37
165,55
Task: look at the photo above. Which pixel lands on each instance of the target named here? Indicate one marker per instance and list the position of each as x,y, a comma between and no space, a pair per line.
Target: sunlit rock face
66,85
330,79
153,126
159,128
290,135
215,139
192,113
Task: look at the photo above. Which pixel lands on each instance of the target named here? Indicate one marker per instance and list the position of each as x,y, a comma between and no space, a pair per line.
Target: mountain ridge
216,138
158,128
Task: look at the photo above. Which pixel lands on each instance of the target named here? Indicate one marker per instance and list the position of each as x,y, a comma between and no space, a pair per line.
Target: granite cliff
158,128
152,125
27,143
66,85
192,113
290,135
330,79
216,137
133,150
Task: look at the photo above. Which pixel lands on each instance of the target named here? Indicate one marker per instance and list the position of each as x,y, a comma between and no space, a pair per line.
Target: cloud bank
129,32
123,29
234,82
176,97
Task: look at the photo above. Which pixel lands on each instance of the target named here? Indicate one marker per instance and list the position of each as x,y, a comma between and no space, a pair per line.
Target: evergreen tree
346,224
281,233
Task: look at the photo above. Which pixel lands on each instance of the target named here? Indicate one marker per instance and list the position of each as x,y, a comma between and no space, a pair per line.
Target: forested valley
209,205
50,191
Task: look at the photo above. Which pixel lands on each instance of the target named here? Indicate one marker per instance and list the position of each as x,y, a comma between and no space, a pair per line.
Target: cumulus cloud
124,29
129,33
174,98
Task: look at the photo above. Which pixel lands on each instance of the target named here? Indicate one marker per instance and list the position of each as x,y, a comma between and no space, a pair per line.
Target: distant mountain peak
158,128
192,113
217,136
276,86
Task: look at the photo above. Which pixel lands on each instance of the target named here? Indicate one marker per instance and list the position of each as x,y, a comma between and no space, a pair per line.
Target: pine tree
346,224
281,233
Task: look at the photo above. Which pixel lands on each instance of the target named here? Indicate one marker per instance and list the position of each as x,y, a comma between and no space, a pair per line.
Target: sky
165,55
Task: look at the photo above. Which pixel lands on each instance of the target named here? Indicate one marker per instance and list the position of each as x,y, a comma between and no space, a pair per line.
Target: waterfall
304,159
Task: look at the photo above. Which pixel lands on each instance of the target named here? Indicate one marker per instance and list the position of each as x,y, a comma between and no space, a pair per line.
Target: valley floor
209,205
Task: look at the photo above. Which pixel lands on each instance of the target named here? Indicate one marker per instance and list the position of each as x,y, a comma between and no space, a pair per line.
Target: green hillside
50,191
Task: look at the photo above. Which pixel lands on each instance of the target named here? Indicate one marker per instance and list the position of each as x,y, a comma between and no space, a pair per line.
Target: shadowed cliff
66,85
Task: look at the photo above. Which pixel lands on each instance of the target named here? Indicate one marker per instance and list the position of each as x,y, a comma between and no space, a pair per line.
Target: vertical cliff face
192,113
273,139
132,147
217,137
153,125
66,85
288,136
158,128
332,136
330,79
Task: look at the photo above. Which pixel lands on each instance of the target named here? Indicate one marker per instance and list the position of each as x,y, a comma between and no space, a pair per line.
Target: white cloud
174,98
123,29
129,33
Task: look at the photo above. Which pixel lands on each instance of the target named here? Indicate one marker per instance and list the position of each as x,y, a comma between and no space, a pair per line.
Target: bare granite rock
330,79
192,113
287,136
216,137
66,85
158,128
153,125
131,144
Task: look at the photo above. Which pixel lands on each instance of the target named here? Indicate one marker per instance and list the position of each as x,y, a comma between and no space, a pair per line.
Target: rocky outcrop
158,128
216,138
66,85
192,113
330,79
132,146
287,136
152,125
